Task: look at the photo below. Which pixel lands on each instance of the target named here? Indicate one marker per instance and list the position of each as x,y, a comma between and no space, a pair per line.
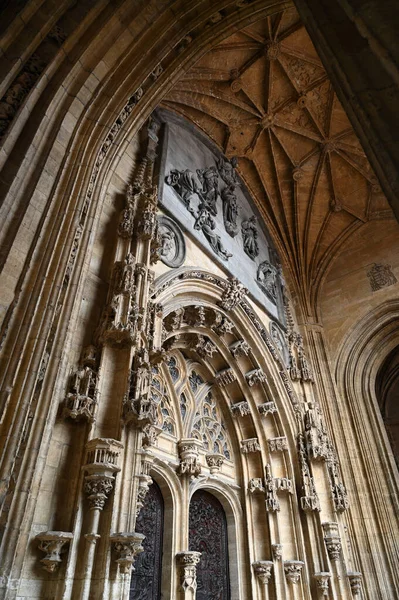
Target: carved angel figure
230,210
250,237
209,193
206,224
227,172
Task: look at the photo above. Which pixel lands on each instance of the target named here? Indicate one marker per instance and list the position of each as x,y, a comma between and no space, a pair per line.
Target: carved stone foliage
173,248
322,582
208,427
208,534
102,458
214,462
332,540
126,547
249,234
292,570
266,278
355,581
277,444
81,400
267,408
146,577
381,276
263,570
122,318
250,445
198,316
240,348
240,409
256,376
233,293
53,544
225,377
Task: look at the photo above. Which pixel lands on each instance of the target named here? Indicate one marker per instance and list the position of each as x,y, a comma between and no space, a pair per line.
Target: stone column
102,457
263,571
187,564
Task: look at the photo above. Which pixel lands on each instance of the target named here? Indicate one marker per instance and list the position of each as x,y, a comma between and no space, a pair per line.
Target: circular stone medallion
173,247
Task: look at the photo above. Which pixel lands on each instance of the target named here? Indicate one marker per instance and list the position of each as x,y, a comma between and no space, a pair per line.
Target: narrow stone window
208,535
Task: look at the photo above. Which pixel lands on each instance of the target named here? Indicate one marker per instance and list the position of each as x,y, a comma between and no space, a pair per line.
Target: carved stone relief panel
201,188
173,248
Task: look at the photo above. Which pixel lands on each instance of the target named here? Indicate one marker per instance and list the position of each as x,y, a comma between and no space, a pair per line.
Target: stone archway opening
387,392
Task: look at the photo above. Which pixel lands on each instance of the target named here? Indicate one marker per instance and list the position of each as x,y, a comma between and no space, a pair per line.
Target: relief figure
230,210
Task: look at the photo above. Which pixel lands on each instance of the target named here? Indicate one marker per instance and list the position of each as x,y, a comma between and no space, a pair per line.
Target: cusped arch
175,291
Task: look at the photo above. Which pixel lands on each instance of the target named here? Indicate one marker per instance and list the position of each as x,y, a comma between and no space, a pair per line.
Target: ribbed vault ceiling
263,95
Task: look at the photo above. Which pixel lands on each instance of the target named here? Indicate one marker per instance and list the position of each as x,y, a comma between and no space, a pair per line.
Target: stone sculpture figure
209,193
227,172
230,210
184,183
266,279
250,237
206,224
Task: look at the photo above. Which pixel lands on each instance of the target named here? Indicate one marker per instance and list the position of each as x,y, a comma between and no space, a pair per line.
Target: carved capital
240,348
322,582
225,377
355,580
277,444
268,408
214,462
263,570
254,377
241,409
292,570
127,546
332,540
53,543
102,456
250,445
